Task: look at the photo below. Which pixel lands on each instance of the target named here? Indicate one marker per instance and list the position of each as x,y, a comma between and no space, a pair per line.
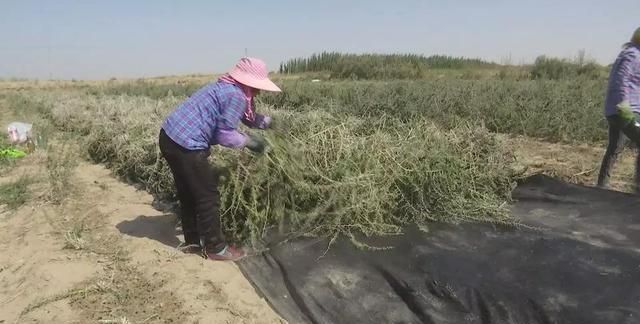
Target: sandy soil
130,251
575,163
100,253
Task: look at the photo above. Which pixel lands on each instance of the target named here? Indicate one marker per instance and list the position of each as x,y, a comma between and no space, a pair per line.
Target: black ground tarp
581,266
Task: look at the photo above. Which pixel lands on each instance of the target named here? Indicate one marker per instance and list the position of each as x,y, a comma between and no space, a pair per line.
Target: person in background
622,108
209,117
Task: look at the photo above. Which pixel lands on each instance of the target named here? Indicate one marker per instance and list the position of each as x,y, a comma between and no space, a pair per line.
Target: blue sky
101,39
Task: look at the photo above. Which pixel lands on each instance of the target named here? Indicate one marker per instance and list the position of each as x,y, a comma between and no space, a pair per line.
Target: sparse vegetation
15,193
6,162
73,238
54,298
61,161
122,295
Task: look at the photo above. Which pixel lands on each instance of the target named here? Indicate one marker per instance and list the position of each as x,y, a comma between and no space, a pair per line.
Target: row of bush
376,66
553,110
563,69
556,110
345,158
409,66
328,173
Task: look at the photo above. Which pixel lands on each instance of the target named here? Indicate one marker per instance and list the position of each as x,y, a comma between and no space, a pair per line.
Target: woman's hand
268,122
256,143
624,111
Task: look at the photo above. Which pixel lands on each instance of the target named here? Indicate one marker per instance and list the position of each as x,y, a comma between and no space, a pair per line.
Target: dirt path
33,266
104,255
575,163
209,290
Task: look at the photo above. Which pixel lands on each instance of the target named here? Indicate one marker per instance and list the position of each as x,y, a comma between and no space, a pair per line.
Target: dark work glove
625,112
256,143
630,126
270,123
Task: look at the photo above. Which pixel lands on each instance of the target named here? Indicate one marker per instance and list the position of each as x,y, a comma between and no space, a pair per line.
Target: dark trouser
197,187
617,142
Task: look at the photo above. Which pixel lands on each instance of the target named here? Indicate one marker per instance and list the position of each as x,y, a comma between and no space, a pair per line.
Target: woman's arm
259,121
254,120
621,78
231,112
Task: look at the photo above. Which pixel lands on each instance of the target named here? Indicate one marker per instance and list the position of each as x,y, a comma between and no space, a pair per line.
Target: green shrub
376,66
557,110
147,88
327,173
351,157
15,194
554,110
560,69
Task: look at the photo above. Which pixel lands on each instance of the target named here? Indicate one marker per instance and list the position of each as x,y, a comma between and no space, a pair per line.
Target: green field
347,156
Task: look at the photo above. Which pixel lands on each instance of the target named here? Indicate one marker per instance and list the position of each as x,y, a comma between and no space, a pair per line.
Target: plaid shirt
211,116
624,81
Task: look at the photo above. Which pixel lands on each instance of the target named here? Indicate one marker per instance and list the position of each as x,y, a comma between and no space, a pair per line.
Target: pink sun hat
253,72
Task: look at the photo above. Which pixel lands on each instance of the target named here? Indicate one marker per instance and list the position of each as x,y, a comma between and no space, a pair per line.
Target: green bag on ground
12,153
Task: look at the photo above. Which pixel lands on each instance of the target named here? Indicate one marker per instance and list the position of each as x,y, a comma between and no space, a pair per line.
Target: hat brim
262,84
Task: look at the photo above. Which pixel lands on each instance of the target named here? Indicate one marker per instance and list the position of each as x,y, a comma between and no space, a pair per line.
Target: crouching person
209,117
